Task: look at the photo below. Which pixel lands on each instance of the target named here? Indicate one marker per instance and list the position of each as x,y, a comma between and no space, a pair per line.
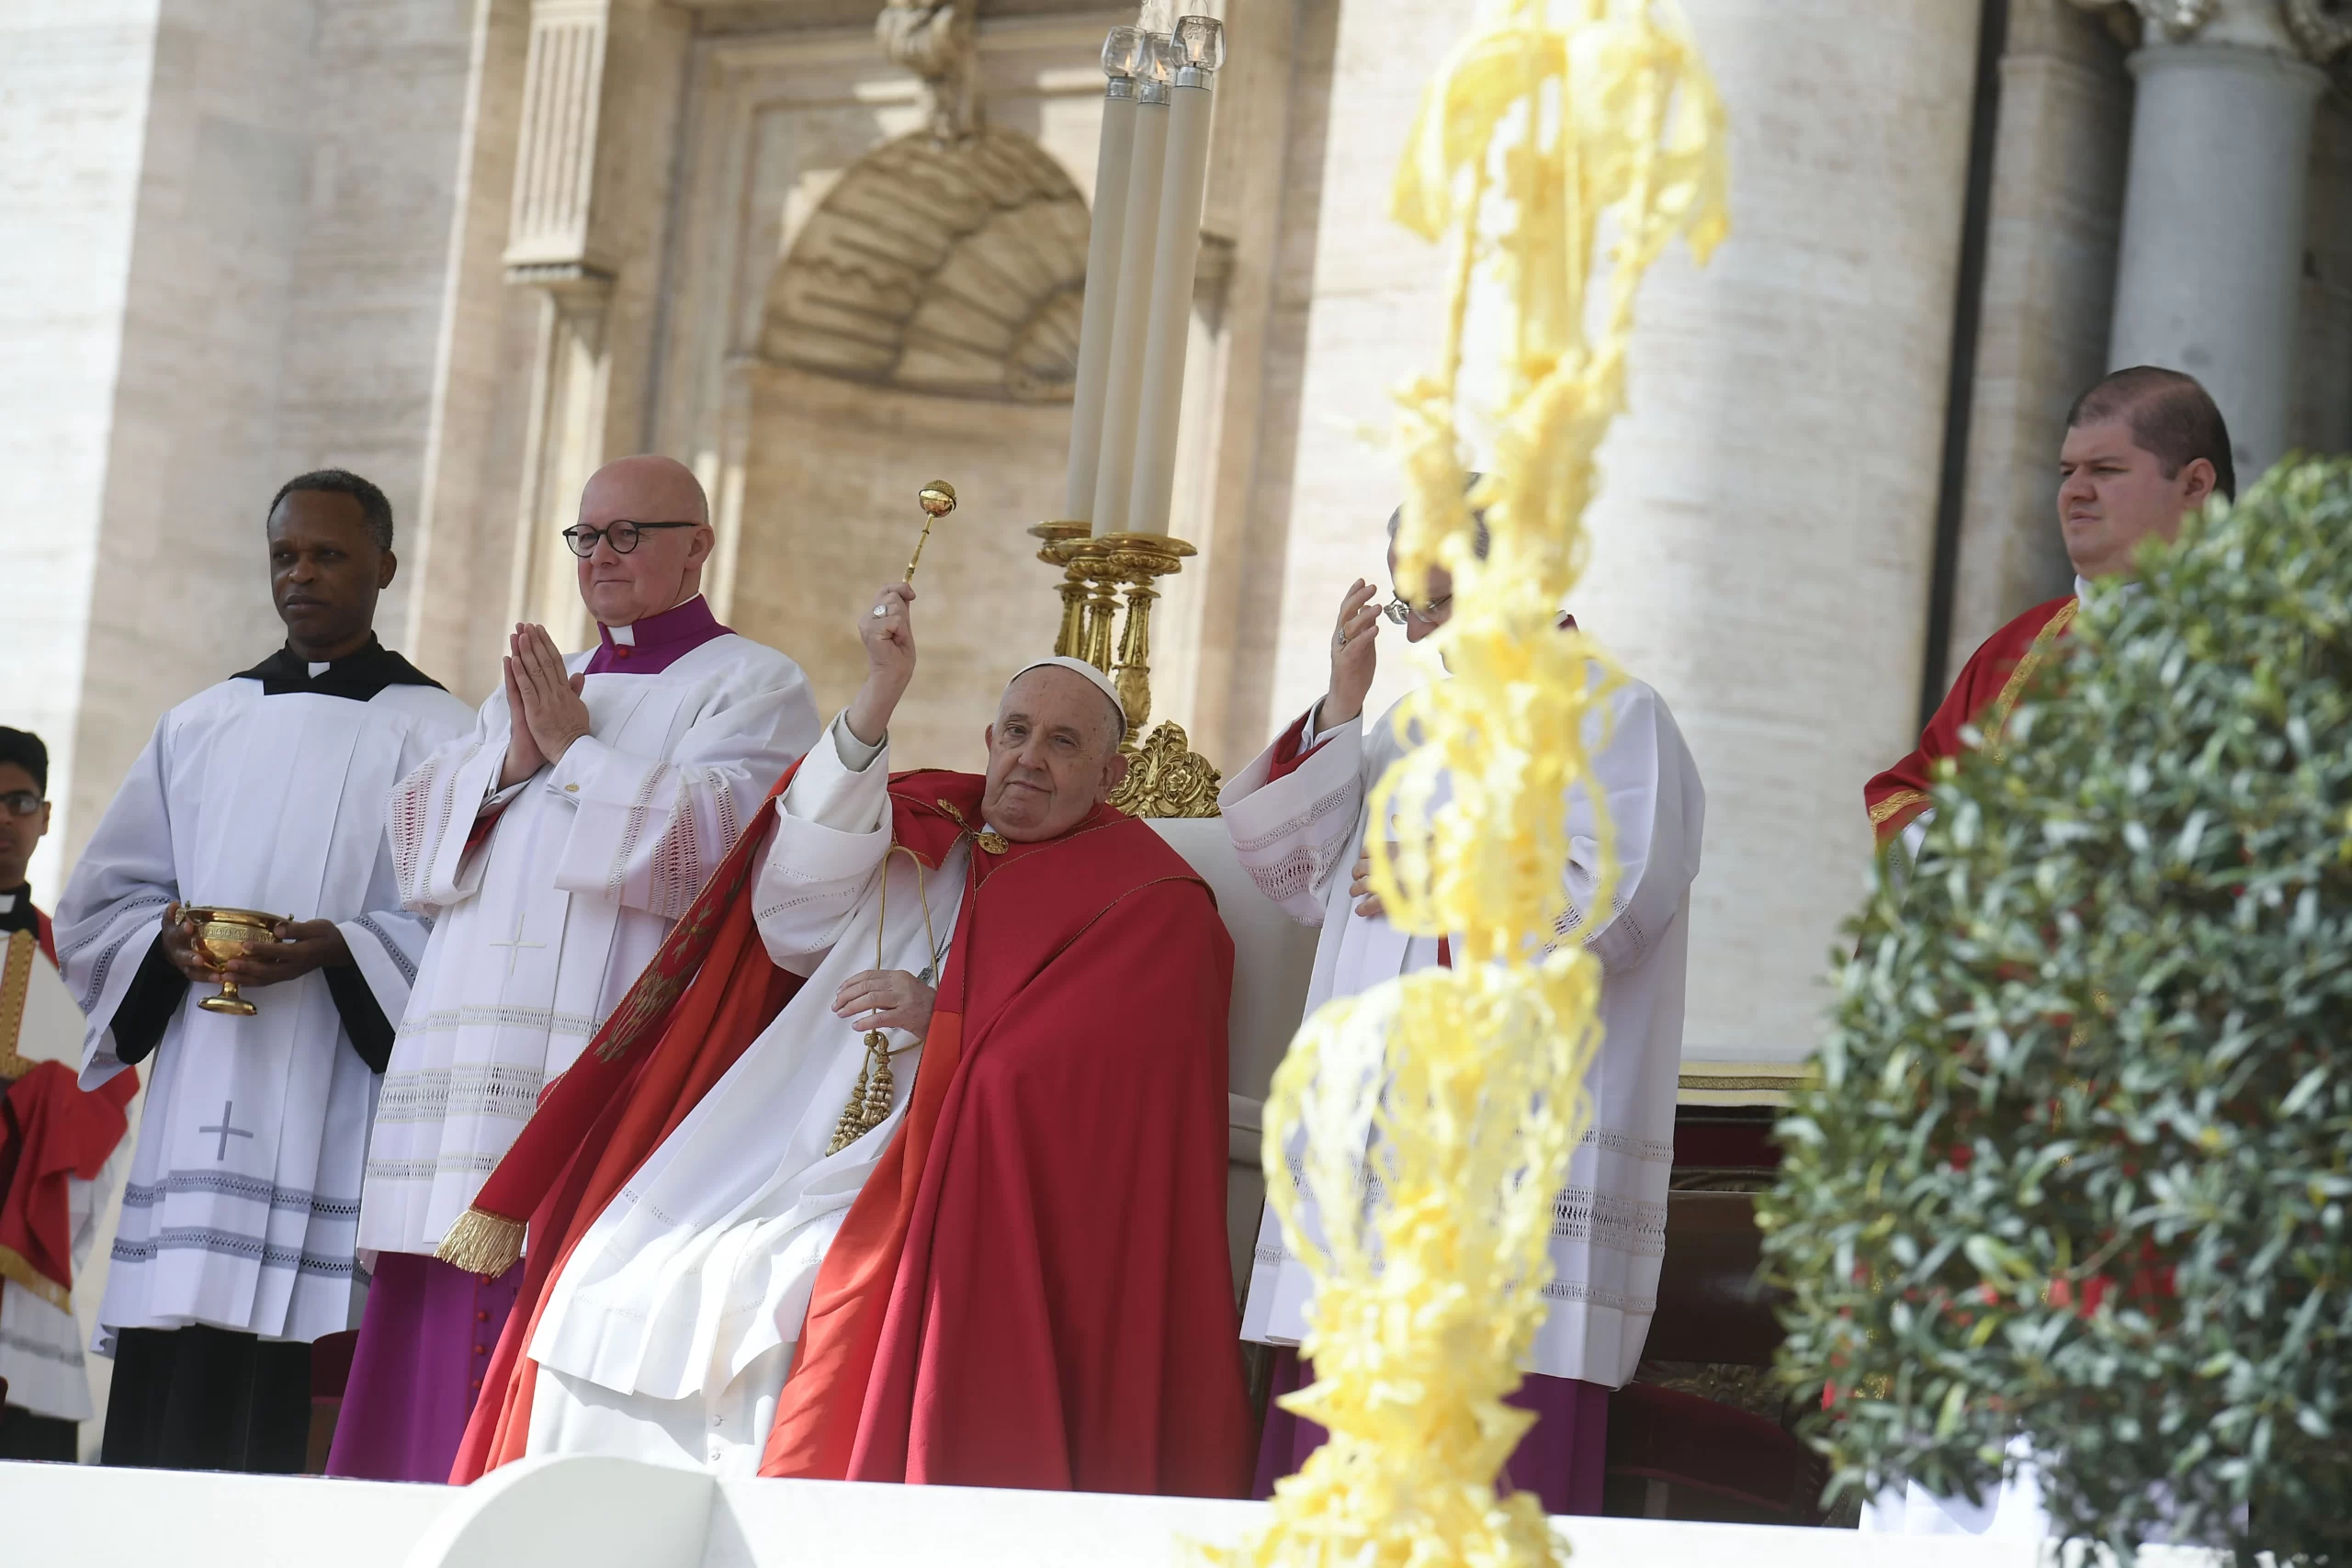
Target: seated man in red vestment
2144,447
905,1160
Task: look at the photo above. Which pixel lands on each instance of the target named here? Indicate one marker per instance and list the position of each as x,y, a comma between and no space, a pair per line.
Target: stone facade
474,247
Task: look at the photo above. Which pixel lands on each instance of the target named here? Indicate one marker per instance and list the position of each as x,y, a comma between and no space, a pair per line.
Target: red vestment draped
1031,1289
1984,696
51,1130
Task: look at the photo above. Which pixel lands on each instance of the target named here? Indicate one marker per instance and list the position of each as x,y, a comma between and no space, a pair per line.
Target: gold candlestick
937,500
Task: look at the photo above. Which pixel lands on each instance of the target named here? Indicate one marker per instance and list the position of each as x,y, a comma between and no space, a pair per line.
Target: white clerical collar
320,667
623,636
8,903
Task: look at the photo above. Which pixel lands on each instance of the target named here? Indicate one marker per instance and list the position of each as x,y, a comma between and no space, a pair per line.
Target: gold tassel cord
870,1098
1430,1118
483,1242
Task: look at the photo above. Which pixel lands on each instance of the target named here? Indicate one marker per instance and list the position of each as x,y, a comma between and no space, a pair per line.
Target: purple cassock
426,1339
1561,1458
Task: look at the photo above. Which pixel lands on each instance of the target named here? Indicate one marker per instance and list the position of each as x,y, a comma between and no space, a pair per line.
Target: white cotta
41,1345
1299,837
667,1334
541,928
243,1194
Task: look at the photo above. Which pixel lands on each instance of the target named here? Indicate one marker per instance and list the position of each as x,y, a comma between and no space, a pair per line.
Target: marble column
2210,272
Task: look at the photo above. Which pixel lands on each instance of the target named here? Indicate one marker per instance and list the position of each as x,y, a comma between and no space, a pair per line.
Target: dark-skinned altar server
62,1147
1299,814
554,847
1003,1263
264,792
2143,448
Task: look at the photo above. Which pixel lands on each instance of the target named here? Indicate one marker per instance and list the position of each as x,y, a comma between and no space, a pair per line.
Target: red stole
1986,695
709,992
51,1131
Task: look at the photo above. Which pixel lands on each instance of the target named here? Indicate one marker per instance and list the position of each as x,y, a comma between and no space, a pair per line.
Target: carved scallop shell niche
955,269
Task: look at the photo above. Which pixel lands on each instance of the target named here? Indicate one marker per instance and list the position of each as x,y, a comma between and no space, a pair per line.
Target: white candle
1200,44
1123,381
1114,165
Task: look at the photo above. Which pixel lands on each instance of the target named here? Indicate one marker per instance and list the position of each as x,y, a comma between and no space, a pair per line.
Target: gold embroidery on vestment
16,982
1997,717
1900,800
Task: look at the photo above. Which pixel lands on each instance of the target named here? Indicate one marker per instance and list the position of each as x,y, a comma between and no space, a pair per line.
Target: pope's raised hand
887,631
886,999
1353,658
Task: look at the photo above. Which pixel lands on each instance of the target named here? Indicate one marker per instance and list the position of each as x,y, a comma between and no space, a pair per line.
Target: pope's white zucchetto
1087,671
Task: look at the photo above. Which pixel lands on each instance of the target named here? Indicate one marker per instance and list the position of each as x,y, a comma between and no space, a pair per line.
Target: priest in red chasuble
905,1159
61,1145
2144,447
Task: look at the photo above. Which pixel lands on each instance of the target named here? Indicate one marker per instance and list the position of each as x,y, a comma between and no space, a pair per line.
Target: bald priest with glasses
554,847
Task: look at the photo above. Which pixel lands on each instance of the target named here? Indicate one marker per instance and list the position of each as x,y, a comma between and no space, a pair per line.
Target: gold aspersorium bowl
223,936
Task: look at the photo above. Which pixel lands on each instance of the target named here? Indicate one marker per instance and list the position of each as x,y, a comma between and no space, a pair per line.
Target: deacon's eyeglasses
19,803
1397,611
622,536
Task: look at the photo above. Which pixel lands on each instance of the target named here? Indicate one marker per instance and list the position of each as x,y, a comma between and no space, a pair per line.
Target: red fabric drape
1986,692
51,1130
709,992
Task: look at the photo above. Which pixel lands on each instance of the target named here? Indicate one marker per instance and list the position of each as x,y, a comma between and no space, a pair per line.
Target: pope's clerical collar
648,645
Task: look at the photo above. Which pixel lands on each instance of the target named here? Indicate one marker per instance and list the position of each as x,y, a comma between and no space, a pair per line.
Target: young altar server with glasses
61,1148
1299,815
554,846
264,792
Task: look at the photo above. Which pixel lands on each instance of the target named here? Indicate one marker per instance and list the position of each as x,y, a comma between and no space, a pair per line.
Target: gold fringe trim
14,1269
481,1243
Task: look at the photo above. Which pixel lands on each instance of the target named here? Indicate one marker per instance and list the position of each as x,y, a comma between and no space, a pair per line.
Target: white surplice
1299,837
243,1194
541,928
667,1336
40,1344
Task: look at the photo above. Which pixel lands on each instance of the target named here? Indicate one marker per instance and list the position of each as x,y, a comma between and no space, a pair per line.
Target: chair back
1274,958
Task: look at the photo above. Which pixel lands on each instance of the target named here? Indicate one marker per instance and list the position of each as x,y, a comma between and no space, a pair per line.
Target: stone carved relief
2322,28
955,268
933,39
2325,30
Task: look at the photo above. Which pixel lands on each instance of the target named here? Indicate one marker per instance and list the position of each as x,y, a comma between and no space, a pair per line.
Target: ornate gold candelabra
1165,777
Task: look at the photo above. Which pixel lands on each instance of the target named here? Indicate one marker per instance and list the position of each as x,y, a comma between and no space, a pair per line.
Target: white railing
608,1513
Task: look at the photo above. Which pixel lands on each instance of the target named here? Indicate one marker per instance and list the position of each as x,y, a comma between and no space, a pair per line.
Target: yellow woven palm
1561,149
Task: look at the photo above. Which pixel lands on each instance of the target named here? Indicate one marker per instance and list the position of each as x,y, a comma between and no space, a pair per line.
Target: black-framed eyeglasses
1397,610
622,536
20,803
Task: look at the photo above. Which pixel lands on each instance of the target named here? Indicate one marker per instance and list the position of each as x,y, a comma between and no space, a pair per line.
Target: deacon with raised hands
263,793
554,846
955,1212
1301,818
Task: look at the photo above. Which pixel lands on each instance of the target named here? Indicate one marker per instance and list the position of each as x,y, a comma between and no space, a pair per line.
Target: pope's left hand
301,946
886,999
552,706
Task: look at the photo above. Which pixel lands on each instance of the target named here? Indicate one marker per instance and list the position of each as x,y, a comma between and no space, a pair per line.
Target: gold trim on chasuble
1997,717
15,983
1901,800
